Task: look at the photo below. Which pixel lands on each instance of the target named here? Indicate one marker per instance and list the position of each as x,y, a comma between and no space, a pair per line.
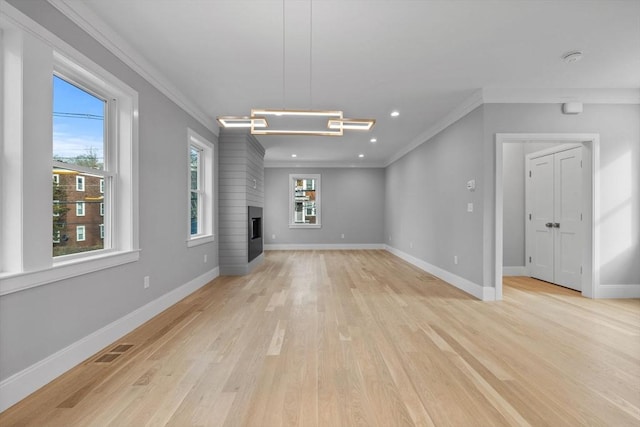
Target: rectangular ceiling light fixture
288,119
242,122
352,124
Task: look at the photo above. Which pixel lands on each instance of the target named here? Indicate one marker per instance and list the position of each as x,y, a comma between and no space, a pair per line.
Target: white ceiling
368,57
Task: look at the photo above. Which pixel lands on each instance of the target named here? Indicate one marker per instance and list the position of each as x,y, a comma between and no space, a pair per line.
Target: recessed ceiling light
294,155
373,140
395,113
361,155
573,56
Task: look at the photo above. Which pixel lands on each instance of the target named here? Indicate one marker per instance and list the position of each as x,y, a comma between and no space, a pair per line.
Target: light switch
469,207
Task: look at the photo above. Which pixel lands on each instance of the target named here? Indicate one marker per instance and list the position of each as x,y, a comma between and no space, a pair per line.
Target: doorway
590,143
554,229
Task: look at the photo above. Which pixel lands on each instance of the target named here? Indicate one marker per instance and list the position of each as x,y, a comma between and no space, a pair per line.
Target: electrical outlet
469,207
455,259
146,282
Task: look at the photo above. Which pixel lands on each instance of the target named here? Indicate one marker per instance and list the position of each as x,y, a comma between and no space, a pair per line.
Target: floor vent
107,358
112,355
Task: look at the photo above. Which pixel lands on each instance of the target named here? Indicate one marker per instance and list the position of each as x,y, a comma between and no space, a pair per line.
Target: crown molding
559,96
298,164
88,21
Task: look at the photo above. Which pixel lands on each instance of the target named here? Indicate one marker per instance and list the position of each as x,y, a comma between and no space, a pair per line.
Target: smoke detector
573,56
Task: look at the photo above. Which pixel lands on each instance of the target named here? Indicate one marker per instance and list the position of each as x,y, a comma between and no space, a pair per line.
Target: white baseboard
481,292
514,271
618,291
322,246
25,382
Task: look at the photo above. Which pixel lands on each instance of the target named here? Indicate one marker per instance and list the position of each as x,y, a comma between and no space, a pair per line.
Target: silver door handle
549,225
556,225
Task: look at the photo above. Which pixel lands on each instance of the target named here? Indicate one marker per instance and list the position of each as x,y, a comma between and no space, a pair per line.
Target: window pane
73,209
305,205
194,212
195,166
78,126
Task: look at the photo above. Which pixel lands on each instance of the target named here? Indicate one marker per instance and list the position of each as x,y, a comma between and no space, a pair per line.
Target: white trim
317,178
286,164
25,382
205,190
82,16
483,293
590,276
322,246
559,96
514,271
618,291
15,282
464,108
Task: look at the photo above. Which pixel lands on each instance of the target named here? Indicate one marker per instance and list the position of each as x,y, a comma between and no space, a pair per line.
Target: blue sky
84,130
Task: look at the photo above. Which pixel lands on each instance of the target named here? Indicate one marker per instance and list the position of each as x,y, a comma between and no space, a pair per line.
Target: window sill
200,240
15,282
305,225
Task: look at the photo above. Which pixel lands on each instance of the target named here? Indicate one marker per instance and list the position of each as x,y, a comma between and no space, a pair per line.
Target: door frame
591,158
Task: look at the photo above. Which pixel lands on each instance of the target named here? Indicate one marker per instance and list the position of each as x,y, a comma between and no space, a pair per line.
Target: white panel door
568,218
540,238
554,230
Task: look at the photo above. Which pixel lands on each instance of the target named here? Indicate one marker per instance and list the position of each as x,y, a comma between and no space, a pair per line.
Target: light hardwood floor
358,338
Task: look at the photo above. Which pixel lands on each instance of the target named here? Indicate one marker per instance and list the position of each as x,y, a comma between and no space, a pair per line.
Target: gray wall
241,161
36,323
619,175
352,202
426,207
513,216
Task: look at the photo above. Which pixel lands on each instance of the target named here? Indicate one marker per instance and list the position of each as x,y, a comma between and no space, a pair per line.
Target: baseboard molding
481,292
25,382
323,246
618,291
514,271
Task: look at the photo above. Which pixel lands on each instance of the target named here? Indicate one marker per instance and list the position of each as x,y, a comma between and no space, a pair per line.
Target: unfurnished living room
319,213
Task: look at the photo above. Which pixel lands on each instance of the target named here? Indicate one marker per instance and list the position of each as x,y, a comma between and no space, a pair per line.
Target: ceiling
425,59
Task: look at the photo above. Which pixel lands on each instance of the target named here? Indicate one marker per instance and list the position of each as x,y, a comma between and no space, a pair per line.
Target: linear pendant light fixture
286,120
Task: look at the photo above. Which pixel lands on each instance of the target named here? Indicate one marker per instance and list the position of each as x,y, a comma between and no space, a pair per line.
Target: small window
56,208
79,183
56,178
200,189
79,208
101,226
102,209
304,201
101,186
80,236
56,236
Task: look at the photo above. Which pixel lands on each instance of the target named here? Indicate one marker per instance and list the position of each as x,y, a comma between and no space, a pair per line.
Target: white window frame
81,231
101,208
79,183
26,87
80,208
57,238
101,228
56,202
56,178
292,193
206,185
101,185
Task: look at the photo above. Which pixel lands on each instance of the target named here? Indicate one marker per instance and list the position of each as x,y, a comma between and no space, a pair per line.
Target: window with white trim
304,201
79,208
101,186
101,209
200,189
27,88
101,228
80,236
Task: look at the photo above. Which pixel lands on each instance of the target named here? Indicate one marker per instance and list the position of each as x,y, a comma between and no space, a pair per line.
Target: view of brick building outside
79,217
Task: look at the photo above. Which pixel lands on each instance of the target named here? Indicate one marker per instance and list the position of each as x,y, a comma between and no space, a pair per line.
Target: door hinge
529,260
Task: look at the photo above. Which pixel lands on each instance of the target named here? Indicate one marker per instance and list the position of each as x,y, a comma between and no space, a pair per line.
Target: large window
81,123
200,189
304,201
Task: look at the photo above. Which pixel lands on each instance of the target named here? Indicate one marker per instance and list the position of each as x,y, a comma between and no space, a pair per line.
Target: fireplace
255,232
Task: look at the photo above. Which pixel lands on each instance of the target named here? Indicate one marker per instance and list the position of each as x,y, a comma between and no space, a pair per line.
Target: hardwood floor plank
357,338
